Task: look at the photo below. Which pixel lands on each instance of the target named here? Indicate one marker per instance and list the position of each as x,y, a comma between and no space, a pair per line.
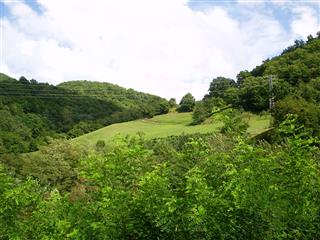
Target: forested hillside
32,111
126,98
295,89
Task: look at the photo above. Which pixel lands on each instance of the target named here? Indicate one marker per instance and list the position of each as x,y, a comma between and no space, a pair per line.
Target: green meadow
167,125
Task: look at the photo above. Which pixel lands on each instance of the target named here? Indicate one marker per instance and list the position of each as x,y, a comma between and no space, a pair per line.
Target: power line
17,83
54,90
36,93
92,92
57,89
48,96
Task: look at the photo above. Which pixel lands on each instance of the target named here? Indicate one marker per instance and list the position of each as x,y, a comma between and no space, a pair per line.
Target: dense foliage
172,102
149,105
30,112
188,187
207,107
187,103
295,86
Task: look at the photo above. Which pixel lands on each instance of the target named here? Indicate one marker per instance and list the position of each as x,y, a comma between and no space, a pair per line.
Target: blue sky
280,10
5,10
283,14
165,47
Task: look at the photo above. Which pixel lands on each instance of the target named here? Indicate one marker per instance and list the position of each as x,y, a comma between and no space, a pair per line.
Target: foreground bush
200,188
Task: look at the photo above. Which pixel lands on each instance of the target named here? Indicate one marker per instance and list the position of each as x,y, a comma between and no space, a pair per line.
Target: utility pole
271,102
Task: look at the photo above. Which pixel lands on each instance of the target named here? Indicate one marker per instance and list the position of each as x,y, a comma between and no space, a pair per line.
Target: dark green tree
172,102
219,85
23,80
187,103
205,108
308,113
254,94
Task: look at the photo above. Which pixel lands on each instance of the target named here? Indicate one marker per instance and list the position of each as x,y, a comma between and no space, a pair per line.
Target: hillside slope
30,111
165,125
126,98
290,82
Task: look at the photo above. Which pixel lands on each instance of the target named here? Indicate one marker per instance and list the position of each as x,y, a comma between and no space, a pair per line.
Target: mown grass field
167,125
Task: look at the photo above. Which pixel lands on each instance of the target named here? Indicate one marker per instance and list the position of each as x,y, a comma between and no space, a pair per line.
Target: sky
163,47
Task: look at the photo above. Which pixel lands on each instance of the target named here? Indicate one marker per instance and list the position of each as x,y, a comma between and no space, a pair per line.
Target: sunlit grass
167,125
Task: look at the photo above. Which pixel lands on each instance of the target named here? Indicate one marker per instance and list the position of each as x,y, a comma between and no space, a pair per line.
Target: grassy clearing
166,125
159,126
258,124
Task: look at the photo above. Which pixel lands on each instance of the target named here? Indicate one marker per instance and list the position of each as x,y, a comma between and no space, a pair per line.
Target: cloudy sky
164,47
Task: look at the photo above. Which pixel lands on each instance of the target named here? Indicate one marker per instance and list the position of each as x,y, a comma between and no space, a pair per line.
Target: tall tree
219,85
172,102
187,103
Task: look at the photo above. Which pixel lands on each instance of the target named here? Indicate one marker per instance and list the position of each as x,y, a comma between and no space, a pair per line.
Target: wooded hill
31,111
295,87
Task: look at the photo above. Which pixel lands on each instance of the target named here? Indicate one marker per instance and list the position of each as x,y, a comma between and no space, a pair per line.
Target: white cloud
306,21
157,46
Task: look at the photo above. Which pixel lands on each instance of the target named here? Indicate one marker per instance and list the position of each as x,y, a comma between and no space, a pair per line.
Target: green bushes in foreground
205,187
